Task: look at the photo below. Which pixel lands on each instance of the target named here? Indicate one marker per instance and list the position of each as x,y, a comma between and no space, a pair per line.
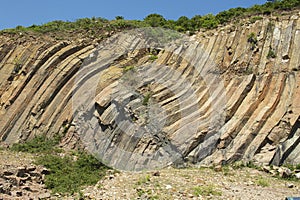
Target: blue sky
28,12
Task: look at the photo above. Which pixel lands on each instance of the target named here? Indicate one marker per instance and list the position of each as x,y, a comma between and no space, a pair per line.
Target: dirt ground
203,183
170,183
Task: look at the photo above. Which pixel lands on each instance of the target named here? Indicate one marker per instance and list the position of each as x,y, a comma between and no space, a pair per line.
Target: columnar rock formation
215,97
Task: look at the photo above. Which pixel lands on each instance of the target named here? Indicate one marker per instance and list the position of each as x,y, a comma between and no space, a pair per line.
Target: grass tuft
206,190
128,68
262,182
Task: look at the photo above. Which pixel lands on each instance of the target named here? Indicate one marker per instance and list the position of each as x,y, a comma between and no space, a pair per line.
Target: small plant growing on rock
252,39
152,57
271,53
249,70
262,182
252,165
143,180
17,65
146,98
270,27
128,68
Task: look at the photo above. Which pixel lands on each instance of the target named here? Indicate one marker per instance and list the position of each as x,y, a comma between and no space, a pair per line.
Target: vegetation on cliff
183,24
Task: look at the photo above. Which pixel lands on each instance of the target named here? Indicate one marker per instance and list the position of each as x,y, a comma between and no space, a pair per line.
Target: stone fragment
17,193
218,168
168,187
21,172
284,172
157,173
31,168
266,169
44,195
297,175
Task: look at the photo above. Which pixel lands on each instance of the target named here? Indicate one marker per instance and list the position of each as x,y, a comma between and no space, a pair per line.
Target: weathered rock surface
23,183
137,103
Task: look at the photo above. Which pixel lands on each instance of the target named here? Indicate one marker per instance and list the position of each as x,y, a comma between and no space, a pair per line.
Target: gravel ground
204,183
170,183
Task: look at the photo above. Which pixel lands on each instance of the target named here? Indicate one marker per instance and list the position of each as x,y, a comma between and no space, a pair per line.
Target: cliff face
148,98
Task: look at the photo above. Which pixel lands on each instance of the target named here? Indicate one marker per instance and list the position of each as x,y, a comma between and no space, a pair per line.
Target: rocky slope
147,98
195,184
20,179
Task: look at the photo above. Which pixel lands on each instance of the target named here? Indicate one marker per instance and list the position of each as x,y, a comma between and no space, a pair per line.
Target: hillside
150,97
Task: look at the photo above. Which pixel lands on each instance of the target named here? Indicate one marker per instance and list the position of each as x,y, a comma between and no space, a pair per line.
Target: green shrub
184,23
155,20
209,21
68,175
170,24
233,13
255,18
196,22
288,4
252,39
119,18
39,144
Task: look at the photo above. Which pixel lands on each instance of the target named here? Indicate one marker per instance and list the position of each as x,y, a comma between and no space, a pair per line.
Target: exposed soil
20,178
170,183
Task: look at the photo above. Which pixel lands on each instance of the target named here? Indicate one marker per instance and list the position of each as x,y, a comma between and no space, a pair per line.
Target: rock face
148,98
